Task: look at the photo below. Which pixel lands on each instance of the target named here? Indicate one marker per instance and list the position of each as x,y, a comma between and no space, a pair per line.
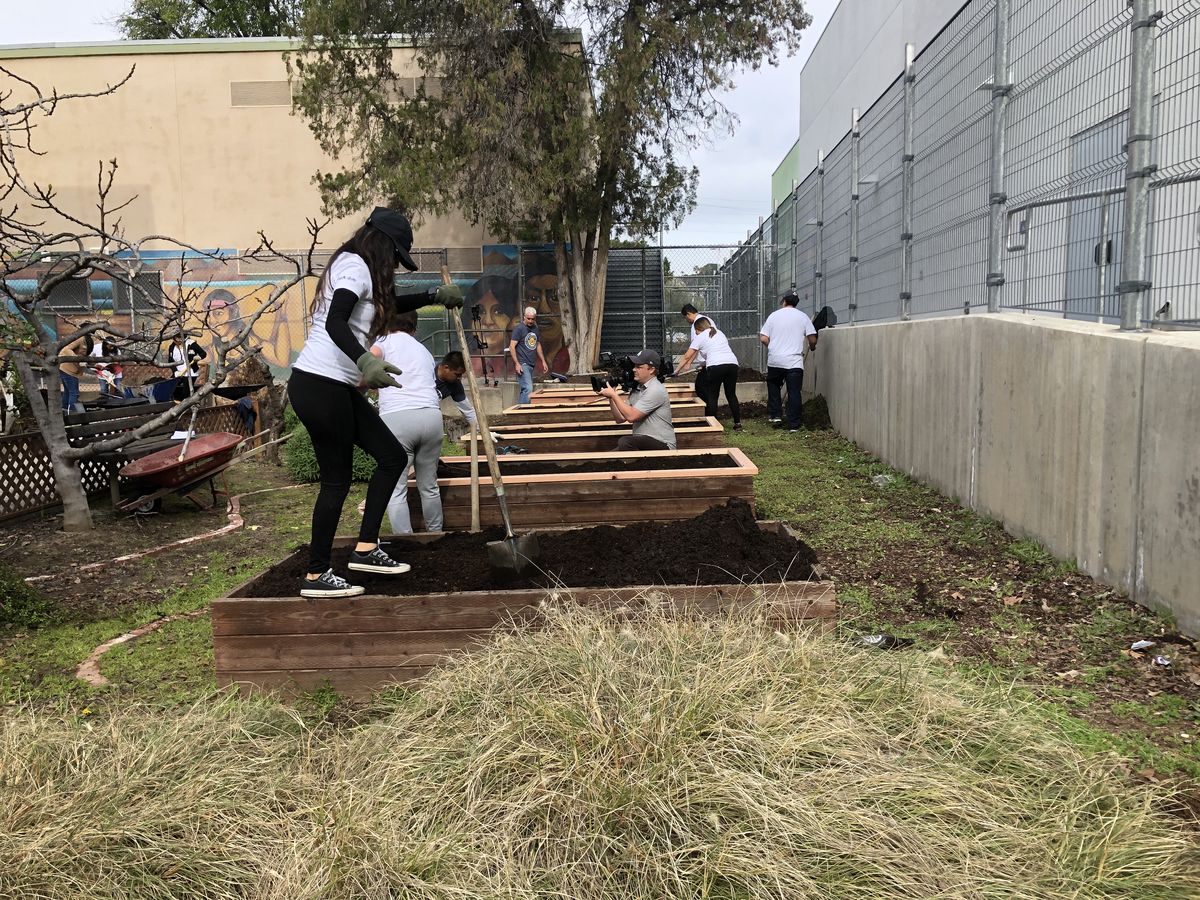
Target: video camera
618,372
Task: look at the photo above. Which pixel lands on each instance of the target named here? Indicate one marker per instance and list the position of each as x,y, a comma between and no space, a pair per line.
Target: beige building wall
204,136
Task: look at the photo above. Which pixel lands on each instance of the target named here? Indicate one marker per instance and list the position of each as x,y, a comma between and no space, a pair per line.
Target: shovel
512,555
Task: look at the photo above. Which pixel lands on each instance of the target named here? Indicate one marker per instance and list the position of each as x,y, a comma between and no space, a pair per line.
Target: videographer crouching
648,408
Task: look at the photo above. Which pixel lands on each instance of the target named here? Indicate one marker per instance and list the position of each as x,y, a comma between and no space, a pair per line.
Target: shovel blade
513,555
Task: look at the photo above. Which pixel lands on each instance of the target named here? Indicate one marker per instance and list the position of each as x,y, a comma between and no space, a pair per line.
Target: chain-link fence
996,171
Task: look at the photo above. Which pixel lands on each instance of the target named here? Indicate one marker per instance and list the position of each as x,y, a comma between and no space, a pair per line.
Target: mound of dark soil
816,414
720,546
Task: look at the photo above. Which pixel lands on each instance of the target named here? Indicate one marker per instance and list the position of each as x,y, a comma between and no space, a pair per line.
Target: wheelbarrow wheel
149,508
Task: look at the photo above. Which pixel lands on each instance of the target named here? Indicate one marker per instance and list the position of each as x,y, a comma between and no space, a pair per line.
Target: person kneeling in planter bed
648,408
353,297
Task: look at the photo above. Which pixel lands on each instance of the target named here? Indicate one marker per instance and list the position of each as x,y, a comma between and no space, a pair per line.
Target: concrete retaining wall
1075,434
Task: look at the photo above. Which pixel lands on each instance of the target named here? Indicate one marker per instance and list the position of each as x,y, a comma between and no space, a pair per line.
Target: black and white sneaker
375,560
329,585
774,421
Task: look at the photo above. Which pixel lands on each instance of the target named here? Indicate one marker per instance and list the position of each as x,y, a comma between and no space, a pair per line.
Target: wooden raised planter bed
595,411
574,393
631,487
361,644
596,437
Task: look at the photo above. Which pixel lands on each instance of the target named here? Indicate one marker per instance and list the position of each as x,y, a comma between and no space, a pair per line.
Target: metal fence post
854,139
819,274
997,199
1135,283
906,186
795,231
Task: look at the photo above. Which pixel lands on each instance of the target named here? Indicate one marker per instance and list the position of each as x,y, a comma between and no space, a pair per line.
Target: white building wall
859,54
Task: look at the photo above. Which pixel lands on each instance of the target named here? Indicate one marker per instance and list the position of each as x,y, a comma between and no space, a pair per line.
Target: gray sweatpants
419,432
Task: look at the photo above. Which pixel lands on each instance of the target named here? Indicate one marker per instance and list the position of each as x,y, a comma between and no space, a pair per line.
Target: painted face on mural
221,314
541,292
494,316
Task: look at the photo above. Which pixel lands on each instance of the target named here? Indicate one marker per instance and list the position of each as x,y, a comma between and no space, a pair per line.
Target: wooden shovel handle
485,433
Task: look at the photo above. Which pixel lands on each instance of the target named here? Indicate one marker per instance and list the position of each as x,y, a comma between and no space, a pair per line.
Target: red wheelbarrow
170,471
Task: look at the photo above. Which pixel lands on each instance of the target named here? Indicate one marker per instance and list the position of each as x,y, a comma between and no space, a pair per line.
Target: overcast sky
735,172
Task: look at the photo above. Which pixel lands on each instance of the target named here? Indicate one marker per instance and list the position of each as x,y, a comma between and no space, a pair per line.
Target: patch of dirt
39,547
1060,632
722,545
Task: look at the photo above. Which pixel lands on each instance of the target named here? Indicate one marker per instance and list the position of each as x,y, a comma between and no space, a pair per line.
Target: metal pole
854,138
1135,284
643,281
762,275
996,196
906,202
819,275
1102,253
795,230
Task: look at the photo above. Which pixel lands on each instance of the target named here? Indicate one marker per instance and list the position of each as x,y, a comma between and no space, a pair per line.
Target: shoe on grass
329,585
737,426
375,560
774,421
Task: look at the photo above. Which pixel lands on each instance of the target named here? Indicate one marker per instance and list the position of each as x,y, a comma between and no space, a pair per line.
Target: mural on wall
228,307
541,292
513,278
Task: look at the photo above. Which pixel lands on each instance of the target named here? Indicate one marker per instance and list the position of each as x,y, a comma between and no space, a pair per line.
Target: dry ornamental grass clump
592,759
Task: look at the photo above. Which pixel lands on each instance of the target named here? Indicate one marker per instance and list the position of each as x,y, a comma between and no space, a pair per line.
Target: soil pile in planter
722,545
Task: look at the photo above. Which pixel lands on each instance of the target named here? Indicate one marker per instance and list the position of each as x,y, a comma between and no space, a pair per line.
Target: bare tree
83,247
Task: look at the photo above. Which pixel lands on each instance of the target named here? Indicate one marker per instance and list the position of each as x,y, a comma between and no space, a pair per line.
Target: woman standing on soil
413,414
720,368
354,294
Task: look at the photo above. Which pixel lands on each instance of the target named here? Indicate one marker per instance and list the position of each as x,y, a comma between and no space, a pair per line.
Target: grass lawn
906,560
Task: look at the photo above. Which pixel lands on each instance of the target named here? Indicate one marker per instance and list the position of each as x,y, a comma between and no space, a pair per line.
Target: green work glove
375,371
450,296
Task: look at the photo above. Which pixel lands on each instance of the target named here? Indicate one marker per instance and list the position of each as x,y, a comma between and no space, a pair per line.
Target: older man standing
525,348
648,408
784,334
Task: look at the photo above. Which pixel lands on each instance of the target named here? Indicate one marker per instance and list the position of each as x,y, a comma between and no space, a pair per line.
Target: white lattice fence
27,480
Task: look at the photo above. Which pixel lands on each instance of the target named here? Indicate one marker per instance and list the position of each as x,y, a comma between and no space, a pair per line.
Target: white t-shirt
694,345
787,328
321,355
714,350
178,354
418,381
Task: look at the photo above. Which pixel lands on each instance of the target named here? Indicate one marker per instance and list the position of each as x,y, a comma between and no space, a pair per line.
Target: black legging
337,417
716,377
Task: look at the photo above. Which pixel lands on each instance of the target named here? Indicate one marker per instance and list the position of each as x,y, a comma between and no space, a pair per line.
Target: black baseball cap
396,226
647,357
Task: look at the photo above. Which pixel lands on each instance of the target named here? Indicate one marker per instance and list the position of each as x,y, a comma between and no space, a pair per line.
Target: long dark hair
379,253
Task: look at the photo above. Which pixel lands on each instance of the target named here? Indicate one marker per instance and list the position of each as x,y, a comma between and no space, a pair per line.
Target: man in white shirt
785,334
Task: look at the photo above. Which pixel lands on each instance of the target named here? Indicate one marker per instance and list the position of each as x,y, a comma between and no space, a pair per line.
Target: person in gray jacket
648,408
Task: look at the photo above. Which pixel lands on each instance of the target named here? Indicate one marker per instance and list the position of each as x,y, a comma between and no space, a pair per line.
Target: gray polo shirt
652,399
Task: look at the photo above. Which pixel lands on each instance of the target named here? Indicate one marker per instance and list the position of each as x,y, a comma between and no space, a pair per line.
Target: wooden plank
144,411
584,441
348,682
542,515
484,609
735,483
235,653
532,415
612,427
